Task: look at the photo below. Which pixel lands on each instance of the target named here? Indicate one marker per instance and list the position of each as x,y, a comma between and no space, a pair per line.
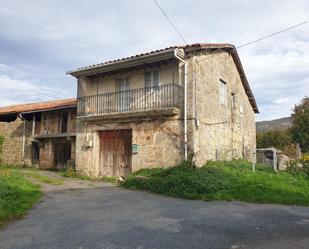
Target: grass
71,173
17,194
43,178
225,180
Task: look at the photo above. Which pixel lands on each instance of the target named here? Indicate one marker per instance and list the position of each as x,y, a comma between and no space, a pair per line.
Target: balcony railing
149,98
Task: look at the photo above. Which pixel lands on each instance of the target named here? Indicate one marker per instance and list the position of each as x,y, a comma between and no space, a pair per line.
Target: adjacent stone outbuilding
39,134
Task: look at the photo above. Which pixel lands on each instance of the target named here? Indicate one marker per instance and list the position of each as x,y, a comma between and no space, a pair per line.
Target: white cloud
14,91
279,75
43,39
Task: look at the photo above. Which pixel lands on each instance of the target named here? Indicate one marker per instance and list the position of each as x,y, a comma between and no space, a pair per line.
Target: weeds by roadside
17,194
224,180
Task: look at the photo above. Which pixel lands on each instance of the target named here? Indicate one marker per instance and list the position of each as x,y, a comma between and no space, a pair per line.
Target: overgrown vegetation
275,138
17,194
296,170
285,140
300,124
225,180
280,139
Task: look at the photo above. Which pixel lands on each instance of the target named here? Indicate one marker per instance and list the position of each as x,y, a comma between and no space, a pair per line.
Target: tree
300,124
274,138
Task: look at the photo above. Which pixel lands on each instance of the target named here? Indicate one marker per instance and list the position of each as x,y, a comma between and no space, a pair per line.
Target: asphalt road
111,217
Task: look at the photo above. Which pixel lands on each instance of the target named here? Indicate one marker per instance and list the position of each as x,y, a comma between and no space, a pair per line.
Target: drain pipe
185,105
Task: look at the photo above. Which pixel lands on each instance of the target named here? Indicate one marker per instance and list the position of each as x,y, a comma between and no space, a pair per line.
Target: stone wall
49,125
12,147
215,131
47,151
223,131
160,143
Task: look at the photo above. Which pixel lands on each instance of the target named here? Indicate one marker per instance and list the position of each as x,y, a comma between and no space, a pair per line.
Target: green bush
224,180
277,138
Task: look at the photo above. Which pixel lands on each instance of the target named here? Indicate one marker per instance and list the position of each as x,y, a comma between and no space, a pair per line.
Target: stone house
40,134
158,108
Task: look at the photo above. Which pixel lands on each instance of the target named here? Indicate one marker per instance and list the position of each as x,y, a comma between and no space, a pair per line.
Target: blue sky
41,40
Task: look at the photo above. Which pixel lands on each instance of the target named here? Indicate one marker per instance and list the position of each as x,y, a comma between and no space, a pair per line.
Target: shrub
224,180
296,170
277,138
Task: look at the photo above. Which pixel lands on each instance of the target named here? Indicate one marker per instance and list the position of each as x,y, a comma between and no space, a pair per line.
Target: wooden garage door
115,152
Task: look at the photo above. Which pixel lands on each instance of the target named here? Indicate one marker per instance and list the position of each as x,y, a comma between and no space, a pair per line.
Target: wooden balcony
140,101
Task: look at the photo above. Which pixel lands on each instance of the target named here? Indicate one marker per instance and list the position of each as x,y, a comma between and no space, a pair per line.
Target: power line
273,34
260,39
240,46
170,22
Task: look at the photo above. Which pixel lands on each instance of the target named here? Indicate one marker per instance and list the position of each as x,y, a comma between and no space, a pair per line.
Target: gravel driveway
105,216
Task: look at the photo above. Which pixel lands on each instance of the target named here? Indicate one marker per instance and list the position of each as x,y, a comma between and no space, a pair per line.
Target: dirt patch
67,183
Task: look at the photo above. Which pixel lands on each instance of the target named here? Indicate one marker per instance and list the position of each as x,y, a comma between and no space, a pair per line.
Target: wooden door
115,153
35,154
62,153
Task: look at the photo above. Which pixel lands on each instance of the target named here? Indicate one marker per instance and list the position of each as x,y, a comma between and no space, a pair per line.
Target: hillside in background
276,124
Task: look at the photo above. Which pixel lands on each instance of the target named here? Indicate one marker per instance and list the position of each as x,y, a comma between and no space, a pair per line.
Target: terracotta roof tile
201,45
37,106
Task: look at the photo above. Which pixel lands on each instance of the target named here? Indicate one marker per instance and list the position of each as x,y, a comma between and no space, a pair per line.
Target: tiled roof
38,106
195,45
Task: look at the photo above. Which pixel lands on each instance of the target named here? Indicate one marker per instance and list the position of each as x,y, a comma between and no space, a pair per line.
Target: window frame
151,71
123,100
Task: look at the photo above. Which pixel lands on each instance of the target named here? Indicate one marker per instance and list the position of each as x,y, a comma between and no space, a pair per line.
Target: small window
222,92
233,101
152,78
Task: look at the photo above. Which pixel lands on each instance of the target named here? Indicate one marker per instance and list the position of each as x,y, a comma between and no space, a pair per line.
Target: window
222,92
123,94
152,78
124,84
233,101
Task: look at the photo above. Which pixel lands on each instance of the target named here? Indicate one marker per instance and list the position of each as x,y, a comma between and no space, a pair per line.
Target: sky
42,39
